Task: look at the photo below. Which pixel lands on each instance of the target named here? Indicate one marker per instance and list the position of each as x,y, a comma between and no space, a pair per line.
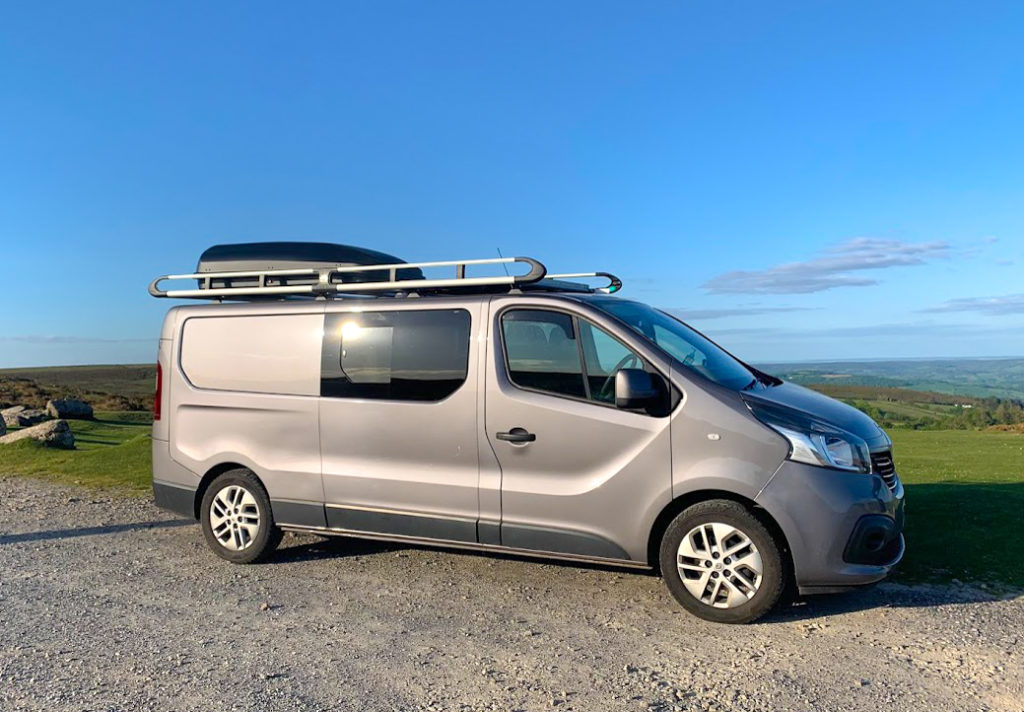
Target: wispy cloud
704,314
836,267
886,331
994,306
38,339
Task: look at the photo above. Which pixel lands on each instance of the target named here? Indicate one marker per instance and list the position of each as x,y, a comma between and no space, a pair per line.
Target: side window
605,356
554,352
542,351
395,355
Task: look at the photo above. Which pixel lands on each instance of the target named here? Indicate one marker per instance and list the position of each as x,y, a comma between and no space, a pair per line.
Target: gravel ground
107,603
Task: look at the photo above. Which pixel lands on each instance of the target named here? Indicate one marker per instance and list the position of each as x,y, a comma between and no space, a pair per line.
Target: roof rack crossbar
327,284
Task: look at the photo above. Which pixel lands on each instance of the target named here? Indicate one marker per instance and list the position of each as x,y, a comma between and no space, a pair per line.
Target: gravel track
107,603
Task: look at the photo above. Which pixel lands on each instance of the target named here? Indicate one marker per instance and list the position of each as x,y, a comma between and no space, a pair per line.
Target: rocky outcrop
21,416
10,415
69,408
53,433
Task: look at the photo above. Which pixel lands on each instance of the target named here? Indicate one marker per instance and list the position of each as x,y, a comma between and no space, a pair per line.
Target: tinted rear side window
395,355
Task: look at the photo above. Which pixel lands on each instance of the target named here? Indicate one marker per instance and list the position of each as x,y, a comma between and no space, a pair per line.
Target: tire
237,522
740,591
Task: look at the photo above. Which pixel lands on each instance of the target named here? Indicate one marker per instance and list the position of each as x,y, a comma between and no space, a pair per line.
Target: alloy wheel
234,518
719,565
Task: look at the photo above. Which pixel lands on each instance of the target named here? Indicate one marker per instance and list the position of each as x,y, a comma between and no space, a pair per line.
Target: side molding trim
521,536
383,521
307,514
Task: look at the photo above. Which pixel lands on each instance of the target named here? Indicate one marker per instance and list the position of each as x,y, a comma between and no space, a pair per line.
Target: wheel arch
212,474
688,499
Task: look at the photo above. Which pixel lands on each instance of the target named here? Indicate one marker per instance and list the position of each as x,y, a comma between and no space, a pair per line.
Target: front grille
882,464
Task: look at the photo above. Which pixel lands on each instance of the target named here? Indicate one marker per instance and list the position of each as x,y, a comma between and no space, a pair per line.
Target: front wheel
721,563
236,518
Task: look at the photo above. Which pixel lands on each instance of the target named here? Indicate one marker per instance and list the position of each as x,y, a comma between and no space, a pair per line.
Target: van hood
821,407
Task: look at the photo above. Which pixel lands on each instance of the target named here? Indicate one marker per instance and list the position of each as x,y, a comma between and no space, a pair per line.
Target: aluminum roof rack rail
614,283
323,281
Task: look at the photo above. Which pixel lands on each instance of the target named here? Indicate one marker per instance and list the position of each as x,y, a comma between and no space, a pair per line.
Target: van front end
843,529
837,496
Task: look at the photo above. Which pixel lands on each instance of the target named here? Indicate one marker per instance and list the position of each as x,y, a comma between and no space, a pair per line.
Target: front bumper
843,529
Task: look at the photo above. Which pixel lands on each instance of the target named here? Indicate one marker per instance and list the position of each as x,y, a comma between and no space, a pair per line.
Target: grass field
965,490
111,451
965,504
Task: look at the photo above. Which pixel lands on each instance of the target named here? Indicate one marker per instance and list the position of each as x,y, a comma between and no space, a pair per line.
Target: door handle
517,435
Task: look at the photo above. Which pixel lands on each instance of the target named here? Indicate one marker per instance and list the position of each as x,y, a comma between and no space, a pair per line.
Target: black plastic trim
179,499
488,533
536,273
388,522
875,541
523,536
306,514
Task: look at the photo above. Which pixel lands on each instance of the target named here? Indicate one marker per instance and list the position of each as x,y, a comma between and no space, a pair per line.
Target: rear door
398,418
578,475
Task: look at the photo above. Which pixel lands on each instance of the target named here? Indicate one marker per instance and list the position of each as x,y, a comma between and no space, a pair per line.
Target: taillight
159,391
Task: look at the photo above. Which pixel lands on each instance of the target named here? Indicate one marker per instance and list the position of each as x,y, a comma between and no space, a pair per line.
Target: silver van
340,391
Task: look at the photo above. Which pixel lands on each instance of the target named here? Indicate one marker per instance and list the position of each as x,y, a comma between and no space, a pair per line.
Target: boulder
53,433
69,408
21,416
10,415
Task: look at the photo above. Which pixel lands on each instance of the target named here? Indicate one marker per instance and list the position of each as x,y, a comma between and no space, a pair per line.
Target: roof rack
347,279
614,283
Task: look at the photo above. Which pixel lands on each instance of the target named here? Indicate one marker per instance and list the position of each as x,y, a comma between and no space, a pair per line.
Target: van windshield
680,341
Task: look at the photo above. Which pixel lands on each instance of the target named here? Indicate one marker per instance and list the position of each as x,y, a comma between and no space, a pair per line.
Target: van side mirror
635,388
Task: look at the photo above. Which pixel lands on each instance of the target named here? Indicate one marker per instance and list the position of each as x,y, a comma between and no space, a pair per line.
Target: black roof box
261,256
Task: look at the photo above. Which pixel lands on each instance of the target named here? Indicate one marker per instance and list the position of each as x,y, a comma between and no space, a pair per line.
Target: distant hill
905,408
118,387
910,393
981,378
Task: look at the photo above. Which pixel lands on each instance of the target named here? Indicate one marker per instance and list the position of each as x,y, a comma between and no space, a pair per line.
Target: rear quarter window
403,355
257,354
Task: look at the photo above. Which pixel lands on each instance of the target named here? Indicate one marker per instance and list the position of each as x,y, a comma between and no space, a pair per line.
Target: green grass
111,451
965,490
965,505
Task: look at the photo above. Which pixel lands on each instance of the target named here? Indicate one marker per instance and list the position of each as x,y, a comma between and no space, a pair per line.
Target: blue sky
801,181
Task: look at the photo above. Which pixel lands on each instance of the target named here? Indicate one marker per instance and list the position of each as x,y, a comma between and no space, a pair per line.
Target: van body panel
408,465
717,444
565,490
273,353
828,409
274,435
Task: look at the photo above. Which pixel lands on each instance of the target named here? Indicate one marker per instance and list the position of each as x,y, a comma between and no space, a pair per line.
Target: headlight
814,442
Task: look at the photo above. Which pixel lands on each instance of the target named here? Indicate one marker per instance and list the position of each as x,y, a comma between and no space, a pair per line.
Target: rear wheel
236,518
721,563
